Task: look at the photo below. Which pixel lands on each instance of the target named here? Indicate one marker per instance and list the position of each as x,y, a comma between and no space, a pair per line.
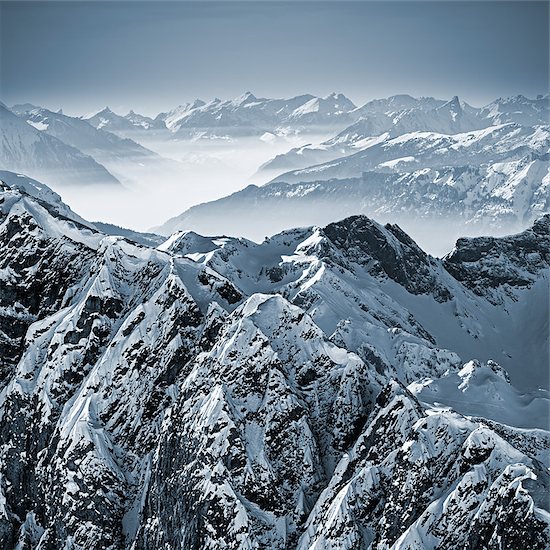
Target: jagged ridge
215,392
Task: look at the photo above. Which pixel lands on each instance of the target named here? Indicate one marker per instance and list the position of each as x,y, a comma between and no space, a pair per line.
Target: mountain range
331,387
128,161
26,148
400,115
420,162
413,161
242,116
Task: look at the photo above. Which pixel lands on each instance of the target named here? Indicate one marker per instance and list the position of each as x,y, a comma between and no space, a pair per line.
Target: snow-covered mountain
102,145
249,115
415,164
435,204
519,109
419,149
106,119
383,119
398,103
129,161
45,195
242,116
319,390
173,117
145,122
26,148
380,120
260,115
322,110
453,117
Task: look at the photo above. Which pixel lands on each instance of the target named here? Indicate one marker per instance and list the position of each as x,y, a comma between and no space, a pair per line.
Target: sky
152,56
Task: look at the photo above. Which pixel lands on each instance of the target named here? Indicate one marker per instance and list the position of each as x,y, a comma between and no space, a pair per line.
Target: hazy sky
152,56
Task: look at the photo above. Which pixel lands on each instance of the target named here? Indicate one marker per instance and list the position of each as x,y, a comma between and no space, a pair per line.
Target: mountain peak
342,102
247,97
336,96
454,105
197,103
22,107
401,97
105,111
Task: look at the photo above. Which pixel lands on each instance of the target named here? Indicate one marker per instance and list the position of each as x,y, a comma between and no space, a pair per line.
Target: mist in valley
192,172
256,216
197,171
214,183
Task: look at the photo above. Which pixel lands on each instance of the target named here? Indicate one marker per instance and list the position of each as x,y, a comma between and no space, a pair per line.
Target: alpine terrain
333,387
421,162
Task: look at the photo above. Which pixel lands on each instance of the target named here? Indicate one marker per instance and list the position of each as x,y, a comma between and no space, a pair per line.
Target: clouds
152,55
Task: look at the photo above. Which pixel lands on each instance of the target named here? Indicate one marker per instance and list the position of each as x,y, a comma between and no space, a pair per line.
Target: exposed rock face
218,393
36,271
387,250
485,264
418,481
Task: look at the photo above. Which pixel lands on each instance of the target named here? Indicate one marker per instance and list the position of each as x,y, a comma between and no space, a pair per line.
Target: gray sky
152,56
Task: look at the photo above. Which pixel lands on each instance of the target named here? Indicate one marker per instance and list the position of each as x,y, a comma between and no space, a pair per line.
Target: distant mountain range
400,115
27,148
405,160
400,158
102,148
126,160
244,115
248,114
106,147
